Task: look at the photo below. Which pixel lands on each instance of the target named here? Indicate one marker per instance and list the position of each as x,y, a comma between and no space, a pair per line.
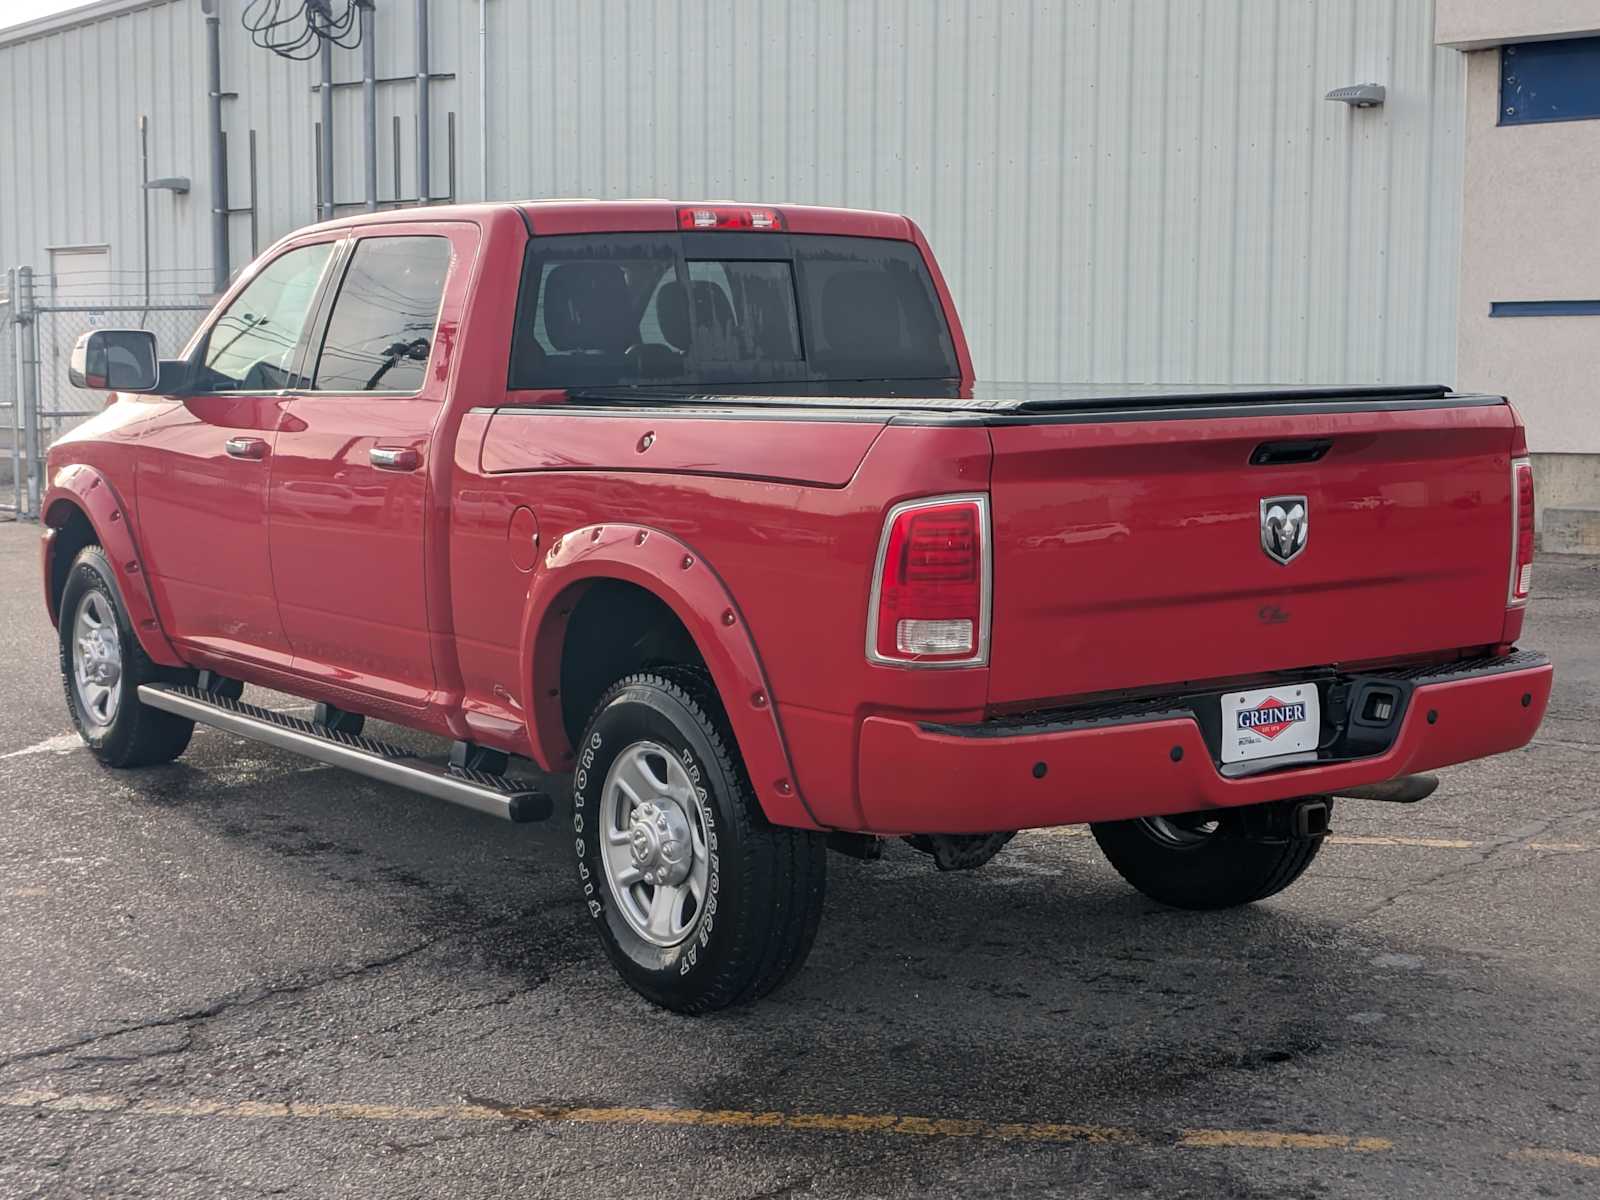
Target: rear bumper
918,778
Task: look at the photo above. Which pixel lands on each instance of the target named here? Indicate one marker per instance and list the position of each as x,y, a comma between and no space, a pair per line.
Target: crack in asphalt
789,1188
243,998
1488,851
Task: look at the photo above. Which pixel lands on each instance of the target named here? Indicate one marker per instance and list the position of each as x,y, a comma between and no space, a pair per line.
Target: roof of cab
639,216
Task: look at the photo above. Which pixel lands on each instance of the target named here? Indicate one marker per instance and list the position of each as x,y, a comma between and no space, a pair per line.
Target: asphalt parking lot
244,974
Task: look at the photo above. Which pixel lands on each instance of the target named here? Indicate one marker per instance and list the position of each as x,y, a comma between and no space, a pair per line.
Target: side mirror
115,360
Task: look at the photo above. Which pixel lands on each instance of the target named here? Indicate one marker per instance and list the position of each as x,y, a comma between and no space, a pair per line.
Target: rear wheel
699,902
1207,859
102,666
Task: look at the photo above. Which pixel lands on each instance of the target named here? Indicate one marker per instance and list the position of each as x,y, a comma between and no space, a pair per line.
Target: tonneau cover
1024,401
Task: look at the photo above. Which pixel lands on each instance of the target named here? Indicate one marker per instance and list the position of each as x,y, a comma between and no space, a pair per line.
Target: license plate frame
1271,722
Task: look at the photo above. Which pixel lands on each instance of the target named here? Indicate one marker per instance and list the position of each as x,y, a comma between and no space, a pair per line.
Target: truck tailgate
1128,553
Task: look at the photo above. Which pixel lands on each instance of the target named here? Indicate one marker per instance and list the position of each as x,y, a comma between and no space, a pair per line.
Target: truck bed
1128,520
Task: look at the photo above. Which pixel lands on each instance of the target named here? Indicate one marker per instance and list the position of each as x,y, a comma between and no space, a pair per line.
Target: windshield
721,309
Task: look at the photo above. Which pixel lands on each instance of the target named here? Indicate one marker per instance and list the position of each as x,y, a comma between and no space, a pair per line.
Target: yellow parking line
1344,839
1260,1139
1426,843
881,1124
1570,847
845,1123
1565,1158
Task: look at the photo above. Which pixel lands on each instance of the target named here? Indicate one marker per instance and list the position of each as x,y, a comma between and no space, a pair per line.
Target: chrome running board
482,792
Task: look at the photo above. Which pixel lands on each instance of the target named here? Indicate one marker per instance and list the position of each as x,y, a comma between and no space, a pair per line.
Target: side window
381,332
251,346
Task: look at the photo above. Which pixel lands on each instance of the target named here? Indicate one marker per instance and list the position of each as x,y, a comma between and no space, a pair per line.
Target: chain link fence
43,318
11,470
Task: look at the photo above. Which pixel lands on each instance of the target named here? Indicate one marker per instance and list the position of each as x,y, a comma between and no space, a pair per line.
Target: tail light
930,591
1521,531
721,217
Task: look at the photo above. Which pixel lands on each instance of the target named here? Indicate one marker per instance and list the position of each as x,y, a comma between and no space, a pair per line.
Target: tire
1203,860
689,809
103,697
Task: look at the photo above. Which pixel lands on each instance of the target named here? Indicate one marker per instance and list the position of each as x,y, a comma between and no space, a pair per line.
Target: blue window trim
1550,81
1544,308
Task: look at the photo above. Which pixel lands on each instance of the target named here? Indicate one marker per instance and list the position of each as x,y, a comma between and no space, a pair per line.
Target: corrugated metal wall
69,143
1118,189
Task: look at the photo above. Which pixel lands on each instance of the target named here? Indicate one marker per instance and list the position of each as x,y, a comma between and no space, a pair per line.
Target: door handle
250,448
387,458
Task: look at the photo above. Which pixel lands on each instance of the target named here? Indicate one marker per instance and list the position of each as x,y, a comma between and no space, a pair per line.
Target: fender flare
84,489
675,574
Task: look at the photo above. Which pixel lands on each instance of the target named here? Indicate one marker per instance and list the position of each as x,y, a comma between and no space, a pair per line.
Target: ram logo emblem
1285,523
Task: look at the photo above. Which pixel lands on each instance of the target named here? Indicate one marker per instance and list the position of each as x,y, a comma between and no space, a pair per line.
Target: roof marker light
730,218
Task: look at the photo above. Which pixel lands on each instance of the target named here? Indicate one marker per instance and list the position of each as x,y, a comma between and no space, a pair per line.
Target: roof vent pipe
424,173
369,104
218,149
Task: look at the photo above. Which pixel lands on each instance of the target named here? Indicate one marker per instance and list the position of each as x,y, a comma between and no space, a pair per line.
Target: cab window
381,331
251,347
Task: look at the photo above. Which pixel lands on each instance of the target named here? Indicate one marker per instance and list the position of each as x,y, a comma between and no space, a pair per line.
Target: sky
15,12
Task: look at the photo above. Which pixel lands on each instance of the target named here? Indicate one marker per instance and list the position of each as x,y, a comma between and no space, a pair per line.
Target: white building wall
1117,189
69,141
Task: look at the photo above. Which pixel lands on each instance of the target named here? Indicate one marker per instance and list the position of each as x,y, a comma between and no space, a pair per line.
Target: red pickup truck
702,506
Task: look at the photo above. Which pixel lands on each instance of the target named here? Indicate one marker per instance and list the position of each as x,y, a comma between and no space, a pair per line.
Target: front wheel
102,666
1205,860
700,903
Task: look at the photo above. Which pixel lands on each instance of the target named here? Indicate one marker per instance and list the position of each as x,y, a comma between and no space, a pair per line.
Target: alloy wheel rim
1192,829
96,660
653,844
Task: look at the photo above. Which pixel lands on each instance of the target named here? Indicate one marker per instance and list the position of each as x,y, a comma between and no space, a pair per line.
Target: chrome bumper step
496,795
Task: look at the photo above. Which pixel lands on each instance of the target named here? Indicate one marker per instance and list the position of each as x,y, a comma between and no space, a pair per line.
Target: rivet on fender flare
727,616
688,561
782,787
759,700
639,541
595,536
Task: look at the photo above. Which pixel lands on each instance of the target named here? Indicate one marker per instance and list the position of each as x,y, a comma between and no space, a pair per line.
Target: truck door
204,464
348,511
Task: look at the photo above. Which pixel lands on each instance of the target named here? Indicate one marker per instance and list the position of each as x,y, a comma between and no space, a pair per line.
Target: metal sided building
1140,190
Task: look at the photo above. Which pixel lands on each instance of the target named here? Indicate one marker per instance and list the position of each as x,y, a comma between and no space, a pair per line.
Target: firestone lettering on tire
708,915
580,784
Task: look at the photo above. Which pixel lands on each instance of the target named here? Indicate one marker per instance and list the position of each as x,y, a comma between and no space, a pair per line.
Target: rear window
871,311
719,309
